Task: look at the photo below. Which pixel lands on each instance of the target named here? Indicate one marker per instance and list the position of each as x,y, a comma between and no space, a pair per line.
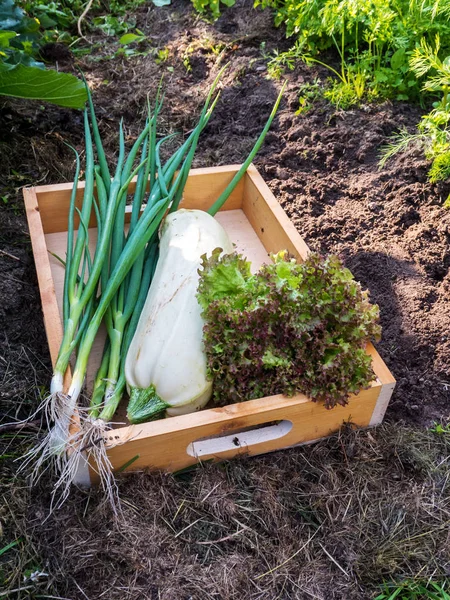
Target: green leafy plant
112,25
433,132
56,19
413,590
59,20
162,56
19,35
130,45
211,7
21,75
366,23
350,85
186,58
291,327
278,62
308,94
132,38
373,38
33,83
441,429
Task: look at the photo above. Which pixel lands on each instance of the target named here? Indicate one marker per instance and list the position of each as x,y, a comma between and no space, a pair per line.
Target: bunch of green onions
112,285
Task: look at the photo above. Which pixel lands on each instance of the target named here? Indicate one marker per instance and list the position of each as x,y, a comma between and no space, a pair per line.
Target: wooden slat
52,320
164,444
387,388
54,201
268,219
202,188
382,403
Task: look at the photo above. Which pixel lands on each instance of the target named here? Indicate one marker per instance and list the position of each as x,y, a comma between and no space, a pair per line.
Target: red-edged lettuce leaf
291,327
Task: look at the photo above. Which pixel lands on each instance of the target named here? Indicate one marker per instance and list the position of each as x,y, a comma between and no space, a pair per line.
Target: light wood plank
52,319
203,187
268,219
388,384
164,444
243,236
379,367
382,403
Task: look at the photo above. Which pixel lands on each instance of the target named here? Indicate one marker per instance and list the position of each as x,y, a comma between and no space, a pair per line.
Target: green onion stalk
78,293
83,275
105,410
100,414
122,306
79,301
90,435
63,419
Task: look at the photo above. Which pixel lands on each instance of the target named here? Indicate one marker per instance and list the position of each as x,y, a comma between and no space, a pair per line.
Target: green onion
245,165
75,298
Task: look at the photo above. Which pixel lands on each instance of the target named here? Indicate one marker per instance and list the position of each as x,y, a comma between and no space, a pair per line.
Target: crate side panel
164,445
388,384
204,186
268,218
54,202
243,237
382,403
52,320
379,367
202,189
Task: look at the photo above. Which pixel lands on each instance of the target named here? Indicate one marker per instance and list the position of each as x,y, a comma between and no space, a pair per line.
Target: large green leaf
5,36
32,83
11,15
13,18
129,38
398,59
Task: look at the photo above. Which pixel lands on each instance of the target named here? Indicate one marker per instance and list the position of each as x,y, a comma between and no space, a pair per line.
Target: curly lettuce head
289,328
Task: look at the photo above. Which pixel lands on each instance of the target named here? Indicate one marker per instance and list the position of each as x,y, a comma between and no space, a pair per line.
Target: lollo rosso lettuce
289,328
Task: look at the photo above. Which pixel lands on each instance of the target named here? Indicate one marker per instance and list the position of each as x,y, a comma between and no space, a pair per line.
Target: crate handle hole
251,436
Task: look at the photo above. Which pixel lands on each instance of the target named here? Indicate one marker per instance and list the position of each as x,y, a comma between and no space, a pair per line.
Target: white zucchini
165,366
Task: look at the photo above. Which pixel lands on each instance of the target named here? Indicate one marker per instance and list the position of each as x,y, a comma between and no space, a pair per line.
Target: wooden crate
258,226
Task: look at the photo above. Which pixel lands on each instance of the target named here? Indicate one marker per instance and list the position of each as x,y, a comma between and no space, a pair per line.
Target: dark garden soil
340,516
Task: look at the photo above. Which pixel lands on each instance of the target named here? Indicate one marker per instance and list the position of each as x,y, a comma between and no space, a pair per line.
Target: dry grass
329,521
